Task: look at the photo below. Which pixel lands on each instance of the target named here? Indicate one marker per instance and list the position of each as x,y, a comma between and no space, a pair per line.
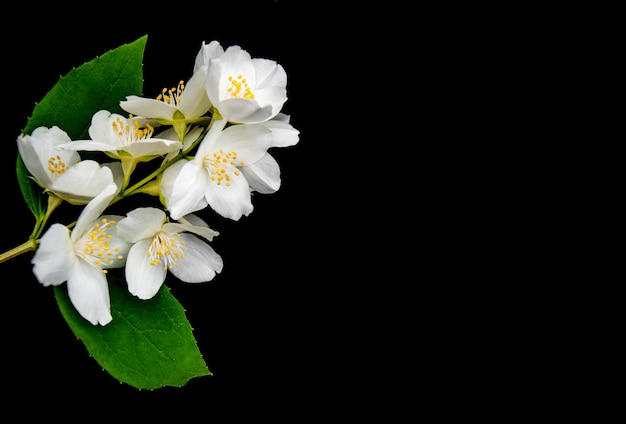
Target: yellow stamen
166,250
172,96
239,87
131,131
56,165
96,244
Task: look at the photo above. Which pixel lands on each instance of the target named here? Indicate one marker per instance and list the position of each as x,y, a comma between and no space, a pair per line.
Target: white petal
194,220
210,141
275,97
82,182
206,53
283,134
166,185
183,187
245,111
88,290
54,256
263,175
117,171
93,210
150,108
249,141
186,226
194,101
152,147
89,145
144,280
200,263
269,74
230,201
141,223
100,129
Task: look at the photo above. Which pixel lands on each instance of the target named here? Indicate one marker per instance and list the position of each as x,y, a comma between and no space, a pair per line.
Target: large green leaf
98,84
148,344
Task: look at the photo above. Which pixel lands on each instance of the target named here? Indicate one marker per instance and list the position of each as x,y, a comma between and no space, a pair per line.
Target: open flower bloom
213,177
160,246
127,139
121,137
82,256
242,89
61,172
264,174
178,106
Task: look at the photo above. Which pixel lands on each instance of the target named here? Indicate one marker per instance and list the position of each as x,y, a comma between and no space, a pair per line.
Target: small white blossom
160,246
122,138
213,177
61,172
243,89
81,257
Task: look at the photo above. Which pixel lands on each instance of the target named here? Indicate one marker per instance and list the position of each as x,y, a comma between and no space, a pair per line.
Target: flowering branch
211,138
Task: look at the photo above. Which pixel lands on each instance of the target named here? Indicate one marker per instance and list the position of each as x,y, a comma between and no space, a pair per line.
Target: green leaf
148,344
31,192
98,84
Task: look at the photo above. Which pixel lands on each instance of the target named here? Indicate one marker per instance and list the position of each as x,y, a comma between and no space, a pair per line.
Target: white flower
82,256
264,174
213,176
178,106
243,89
160,246
123,138
62,172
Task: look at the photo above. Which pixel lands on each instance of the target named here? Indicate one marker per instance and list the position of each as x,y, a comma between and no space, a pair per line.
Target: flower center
95,246
56,166
166,250
239,88
130,131
222,166
172,96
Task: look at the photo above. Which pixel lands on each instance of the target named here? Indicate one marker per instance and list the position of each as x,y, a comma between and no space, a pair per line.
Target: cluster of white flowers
210,136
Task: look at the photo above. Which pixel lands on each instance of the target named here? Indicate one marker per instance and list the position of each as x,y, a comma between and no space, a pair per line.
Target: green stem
27,246
53,203
31,244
